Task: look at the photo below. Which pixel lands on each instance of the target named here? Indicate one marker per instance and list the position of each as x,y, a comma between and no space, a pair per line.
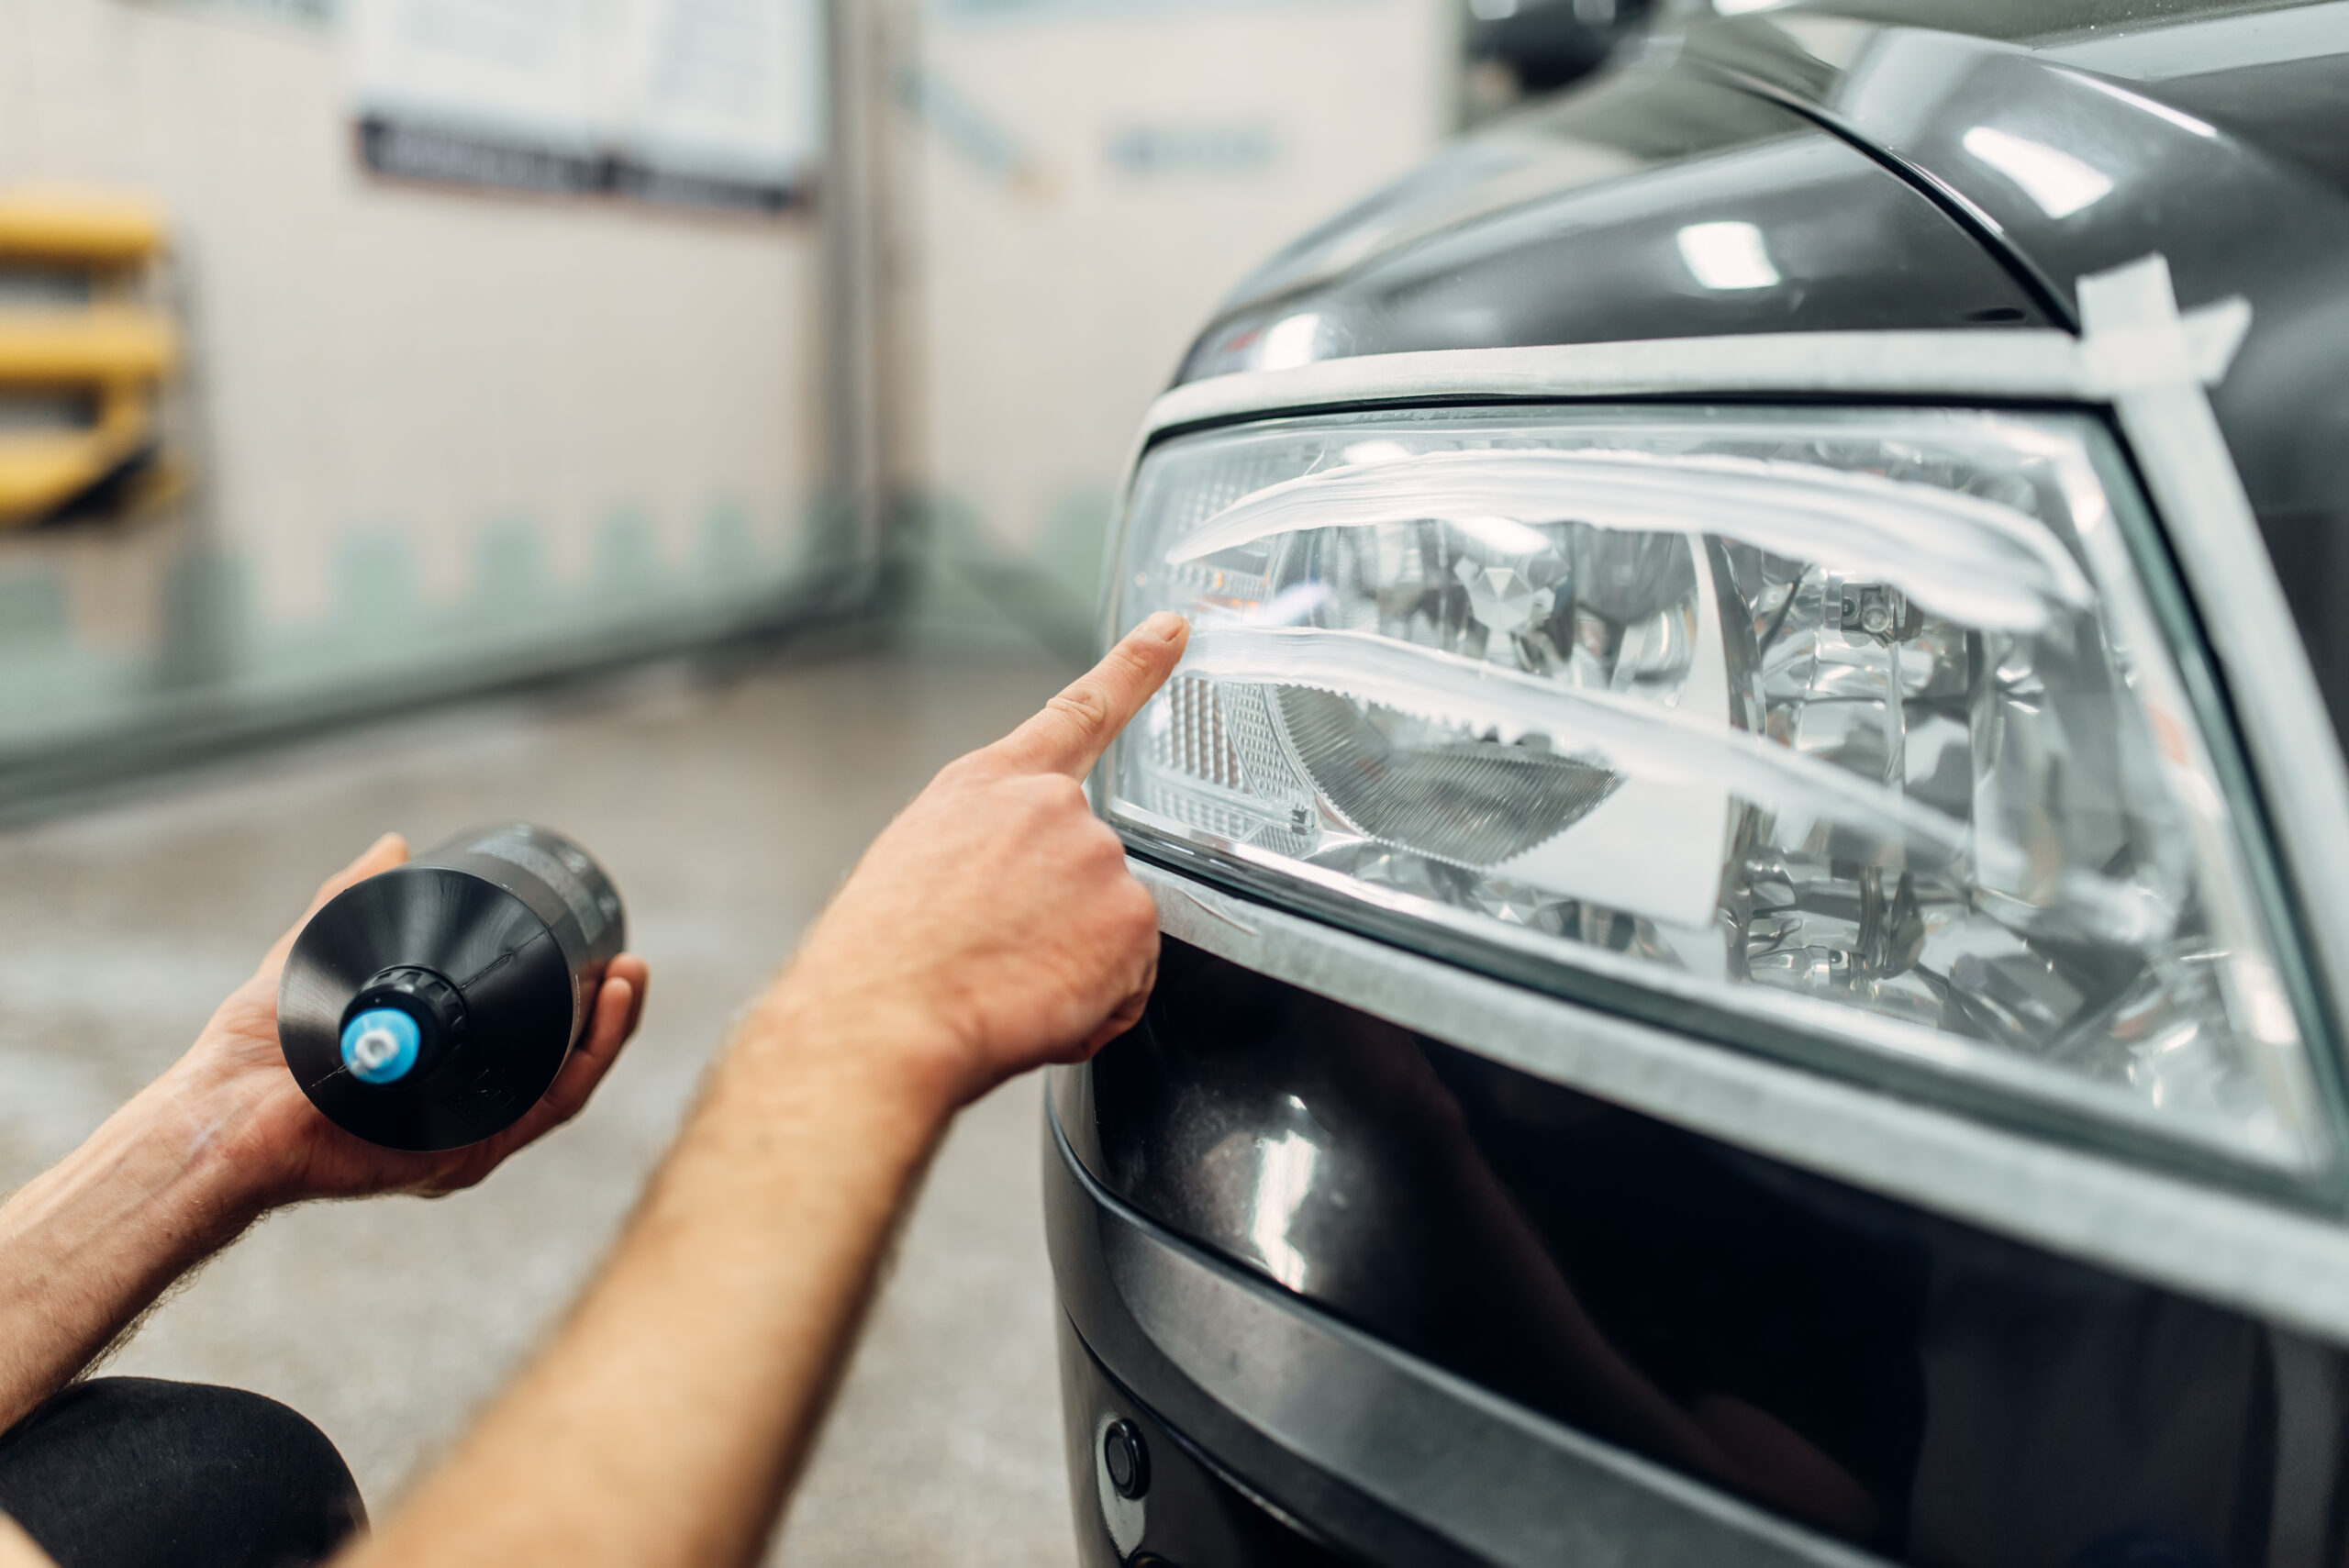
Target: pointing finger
1072,730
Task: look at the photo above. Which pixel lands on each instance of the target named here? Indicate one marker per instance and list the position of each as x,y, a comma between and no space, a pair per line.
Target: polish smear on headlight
1858,717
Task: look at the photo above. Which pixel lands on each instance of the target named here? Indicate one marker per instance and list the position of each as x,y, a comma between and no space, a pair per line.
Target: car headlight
1862,721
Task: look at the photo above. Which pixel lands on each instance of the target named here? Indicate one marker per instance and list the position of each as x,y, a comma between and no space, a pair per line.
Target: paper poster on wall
711,102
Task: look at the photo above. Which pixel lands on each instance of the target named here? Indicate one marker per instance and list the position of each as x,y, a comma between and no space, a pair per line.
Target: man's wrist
198,1137
868,1044
89,1243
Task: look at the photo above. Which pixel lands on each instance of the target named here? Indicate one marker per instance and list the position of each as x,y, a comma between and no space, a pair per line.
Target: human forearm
18,1549
992,928
89,1245
755,1249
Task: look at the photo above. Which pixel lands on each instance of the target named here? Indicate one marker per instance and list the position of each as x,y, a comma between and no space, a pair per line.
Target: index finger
1072,731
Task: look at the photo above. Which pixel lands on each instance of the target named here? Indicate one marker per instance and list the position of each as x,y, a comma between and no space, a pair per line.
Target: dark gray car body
1487,1241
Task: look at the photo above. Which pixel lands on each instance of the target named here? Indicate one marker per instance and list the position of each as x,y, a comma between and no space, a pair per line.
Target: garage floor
726,813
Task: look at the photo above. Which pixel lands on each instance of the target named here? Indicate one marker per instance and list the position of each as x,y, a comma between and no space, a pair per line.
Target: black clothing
137,1472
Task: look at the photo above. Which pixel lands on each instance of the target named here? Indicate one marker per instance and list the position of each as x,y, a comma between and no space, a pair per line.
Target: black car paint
1394,1460
1572,248
1992,1403
2246,201
1190,1512
1878,217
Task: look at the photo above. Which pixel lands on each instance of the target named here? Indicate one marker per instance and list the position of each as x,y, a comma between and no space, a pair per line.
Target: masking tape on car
2176,440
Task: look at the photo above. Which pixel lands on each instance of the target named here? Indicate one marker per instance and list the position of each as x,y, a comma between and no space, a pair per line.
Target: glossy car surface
1386,1262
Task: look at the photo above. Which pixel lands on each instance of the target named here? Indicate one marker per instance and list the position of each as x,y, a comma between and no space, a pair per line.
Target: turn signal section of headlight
1861,723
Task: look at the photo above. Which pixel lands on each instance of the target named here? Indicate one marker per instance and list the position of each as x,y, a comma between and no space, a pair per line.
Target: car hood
1658,203
1832,166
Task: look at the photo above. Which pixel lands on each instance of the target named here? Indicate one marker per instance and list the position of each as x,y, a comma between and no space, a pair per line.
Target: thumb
380,856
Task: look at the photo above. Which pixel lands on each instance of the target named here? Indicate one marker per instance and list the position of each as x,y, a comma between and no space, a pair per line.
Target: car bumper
1275,1426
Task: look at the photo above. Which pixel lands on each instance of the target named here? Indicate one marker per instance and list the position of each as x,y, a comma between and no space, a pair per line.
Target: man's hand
235,1076
221,1138
995,916
991,927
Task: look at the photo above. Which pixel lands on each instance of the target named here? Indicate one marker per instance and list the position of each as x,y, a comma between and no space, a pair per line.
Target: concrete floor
726,813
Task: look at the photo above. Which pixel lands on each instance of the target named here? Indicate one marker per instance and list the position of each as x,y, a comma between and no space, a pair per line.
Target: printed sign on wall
714,102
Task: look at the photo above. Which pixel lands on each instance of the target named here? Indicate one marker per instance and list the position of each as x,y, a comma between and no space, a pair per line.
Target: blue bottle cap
380,1045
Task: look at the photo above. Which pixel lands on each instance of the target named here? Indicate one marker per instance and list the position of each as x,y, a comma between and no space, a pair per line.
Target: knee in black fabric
138,1473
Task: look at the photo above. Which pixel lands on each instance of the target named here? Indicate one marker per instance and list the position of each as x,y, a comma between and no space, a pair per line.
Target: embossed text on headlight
1858,721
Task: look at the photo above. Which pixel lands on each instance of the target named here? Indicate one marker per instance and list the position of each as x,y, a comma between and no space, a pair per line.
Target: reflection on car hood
1656,203
1830,166
2213,134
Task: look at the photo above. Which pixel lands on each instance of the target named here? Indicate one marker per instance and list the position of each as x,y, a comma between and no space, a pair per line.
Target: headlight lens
1858,718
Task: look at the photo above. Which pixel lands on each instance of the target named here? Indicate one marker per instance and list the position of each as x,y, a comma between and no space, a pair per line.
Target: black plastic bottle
430,1007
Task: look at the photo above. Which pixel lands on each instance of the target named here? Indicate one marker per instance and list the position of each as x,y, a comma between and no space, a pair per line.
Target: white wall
537,412
411,368
1057,300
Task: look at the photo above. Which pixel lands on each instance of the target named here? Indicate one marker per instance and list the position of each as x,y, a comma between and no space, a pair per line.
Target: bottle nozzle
380,1045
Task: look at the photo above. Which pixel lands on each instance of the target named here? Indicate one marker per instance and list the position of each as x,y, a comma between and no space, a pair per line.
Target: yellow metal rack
82,359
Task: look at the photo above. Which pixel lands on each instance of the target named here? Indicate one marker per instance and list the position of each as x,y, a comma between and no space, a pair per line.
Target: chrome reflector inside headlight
1860,720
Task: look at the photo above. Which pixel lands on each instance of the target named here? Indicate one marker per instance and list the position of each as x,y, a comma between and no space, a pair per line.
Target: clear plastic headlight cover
1860,719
